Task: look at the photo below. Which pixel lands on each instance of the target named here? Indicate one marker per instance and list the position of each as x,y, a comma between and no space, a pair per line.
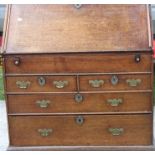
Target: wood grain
77,63
65,103
94,42
121,85
63,28
35,86
94,130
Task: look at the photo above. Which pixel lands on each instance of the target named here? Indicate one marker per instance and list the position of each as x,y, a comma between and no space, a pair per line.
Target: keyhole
41,81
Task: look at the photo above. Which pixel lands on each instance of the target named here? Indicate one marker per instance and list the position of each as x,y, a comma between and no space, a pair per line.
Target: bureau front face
76,84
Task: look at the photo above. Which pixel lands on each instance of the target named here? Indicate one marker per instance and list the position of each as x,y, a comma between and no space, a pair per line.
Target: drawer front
69,28
81,130
41,83
115,82
77,63
75,103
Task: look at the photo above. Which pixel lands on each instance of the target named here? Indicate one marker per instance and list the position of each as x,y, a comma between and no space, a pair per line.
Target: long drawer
81,130
82,102
77,63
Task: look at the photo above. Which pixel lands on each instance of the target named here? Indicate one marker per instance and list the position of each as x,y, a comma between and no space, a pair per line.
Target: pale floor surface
3,127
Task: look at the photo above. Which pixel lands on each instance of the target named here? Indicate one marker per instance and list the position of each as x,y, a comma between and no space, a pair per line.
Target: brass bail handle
60,84
23,84
45,132
96,83
116,131
115,102
133,82
43,103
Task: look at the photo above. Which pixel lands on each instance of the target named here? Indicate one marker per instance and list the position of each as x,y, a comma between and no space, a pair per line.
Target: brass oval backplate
41,81
78,98
79,120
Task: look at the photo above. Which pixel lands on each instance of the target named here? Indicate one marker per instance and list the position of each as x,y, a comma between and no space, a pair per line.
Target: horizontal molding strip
75,74
127,51
82,148
80,113
84,92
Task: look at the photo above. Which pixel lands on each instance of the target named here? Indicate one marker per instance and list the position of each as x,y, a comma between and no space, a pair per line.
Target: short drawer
115,82
77,63
41,83
82,102
80,130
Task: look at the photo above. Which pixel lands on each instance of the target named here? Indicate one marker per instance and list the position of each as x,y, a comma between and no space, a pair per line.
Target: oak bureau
78,77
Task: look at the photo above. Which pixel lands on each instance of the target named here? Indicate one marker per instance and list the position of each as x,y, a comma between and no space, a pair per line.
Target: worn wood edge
82,148
81,113
6,96
75,74
6,28
149,49
150,40
74,92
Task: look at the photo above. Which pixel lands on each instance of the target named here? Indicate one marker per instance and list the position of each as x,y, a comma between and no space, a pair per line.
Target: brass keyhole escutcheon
77,6
114,80
79,120
41,81
78,98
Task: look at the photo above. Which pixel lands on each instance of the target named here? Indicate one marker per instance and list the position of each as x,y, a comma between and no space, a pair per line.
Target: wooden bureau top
72,28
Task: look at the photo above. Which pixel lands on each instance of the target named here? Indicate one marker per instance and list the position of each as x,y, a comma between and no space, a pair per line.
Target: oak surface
94,130
78,63
94,102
